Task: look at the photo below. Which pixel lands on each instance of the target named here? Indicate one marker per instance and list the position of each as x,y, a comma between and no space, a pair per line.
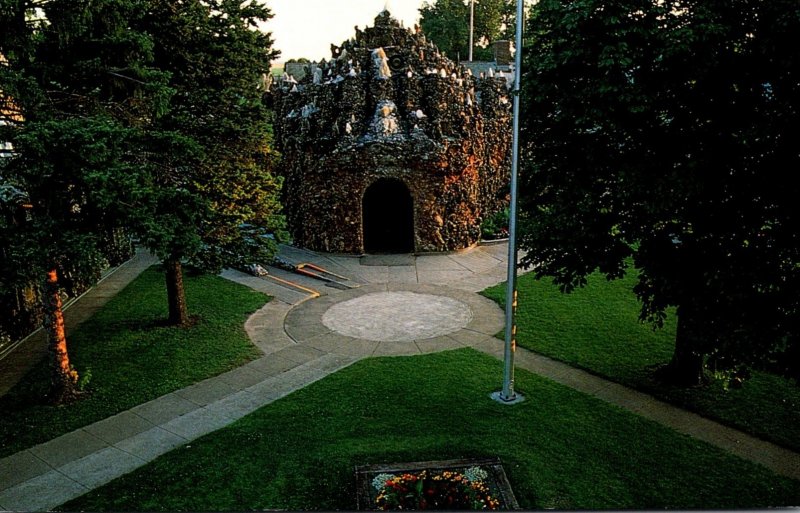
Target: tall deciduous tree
666,131
217,203
79,78
446,23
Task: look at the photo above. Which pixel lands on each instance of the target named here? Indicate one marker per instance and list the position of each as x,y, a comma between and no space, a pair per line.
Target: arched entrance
388,216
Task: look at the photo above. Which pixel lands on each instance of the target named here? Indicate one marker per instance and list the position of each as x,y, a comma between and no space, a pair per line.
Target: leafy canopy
663,131
446,23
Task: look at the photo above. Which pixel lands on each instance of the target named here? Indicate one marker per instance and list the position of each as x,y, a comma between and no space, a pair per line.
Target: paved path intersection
304,337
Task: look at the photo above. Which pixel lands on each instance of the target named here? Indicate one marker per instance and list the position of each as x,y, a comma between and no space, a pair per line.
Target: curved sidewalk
304,340
34,347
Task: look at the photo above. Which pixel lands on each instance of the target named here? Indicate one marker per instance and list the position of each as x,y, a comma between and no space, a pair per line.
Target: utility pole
471,27
507,395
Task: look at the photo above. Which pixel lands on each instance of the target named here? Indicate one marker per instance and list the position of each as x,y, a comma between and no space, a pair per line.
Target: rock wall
389,105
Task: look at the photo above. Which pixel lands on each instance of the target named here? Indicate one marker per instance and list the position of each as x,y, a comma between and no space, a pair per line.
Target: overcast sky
306,28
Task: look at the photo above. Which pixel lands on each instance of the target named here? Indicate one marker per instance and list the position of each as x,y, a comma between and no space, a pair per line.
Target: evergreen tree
212,199
78,76
144,113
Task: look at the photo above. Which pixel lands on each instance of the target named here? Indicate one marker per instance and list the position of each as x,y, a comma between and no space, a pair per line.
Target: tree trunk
63,378
687,365
176,296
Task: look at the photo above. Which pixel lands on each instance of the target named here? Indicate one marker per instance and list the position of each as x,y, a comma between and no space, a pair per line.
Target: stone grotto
390,147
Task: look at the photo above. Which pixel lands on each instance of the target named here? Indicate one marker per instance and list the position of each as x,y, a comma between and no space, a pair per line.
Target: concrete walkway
304,338
34,347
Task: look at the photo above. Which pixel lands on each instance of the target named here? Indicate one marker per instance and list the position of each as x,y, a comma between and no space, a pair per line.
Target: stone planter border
497,480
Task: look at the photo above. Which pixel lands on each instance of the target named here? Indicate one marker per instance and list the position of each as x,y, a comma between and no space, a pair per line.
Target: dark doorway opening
388,214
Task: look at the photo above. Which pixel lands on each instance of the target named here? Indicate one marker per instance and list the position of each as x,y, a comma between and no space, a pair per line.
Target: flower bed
438,485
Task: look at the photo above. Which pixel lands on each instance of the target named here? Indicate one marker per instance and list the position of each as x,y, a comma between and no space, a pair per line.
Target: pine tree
79,78
213,200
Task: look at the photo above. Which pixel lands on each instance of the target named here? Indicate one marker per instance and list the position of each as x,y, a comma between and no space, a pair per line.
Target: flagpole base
515,399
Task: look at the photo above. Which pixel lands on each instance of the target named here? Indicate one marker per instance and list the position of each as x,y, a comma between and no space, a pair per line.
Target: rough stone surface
397,316
390,105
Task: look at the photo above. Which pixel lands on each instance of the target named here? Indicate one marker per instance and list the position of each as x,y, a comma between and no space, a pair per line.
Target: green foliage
85,379
142,113
495,226
118,246
138,113
658,131
211,164
80,82
446,23
561,449
77,77
130,357
65,220
75,173
596,328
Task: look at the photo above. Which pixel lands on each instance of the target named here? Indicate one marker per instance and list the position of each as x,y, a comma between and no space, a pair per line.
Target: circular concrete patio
394,319
399,316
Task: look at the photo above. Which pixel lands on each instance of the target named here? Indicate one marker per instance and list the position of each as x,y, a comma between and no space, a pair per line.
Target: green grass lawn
560,448
132,358
597,328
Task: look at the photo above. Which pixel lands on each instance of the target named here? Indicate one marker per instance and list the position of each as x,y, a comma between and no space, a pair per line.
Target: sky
306,28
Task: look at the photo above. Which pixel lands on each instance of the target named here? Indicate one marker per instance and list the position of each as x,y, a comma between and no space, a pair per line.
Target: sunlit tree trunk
63,378
176,296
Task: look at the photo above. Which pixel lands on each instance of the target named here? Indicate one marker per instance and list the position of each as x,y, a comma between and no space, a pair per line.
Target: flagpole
507,395
471,26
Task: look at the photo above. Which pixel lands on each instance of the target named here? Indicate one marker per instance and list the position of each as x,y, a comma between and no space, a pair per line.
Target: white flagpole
471,26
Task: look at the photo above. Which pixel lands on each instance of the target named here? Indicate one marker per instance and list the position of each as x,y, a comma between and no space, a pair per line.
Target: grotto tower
390,147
